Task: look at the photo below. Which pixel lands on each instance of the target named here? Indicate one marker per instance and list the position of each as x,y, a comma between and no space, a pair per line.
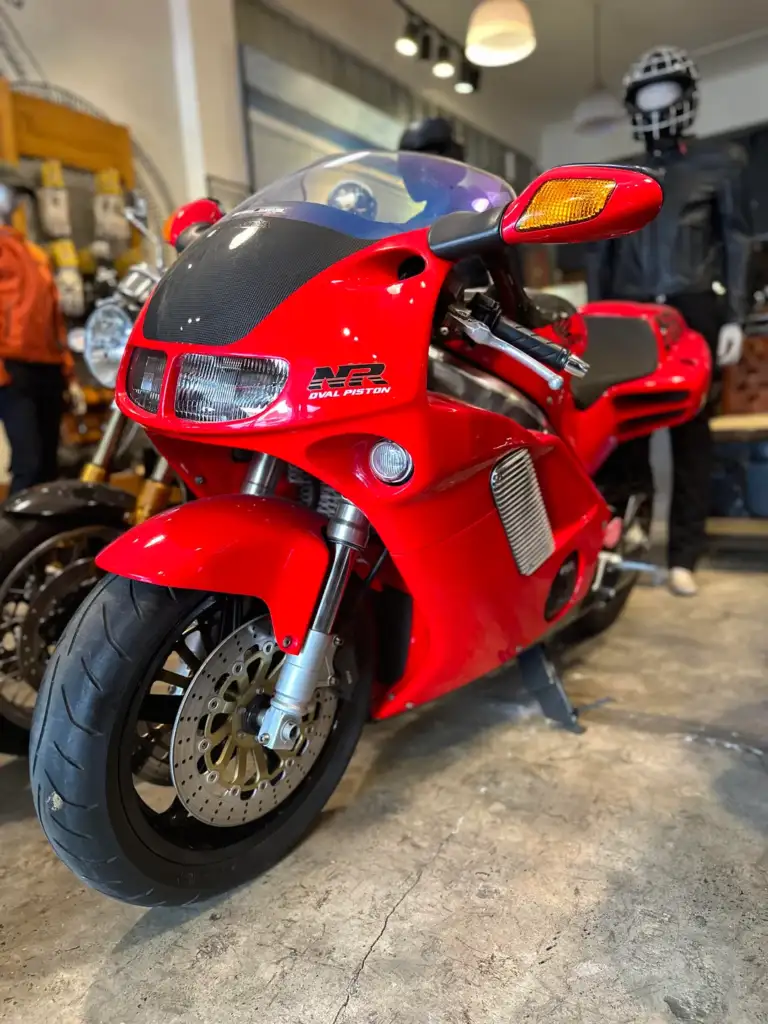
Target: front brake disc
222,774
48,614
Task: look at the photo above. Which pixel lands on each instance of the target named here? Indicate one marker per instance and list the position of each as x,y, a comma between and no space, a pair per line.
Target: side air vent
521,508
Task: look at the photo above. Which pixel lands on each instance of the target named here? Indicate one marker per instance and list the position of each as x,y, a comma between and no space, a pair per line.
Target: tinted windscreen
376,194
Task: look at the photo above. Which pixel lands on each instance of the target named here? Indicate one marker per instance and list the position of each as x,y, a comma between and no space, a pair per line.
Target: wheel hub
222,774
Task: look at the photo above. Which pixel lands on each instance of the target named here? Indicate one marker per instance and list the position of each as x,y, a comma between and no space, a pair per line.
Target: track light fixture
407,43
468,80
425,45
419,38
444,66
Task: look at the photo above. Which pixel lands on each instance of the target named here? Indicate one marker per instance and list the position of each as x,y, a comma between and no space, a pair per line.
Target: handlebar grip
546,352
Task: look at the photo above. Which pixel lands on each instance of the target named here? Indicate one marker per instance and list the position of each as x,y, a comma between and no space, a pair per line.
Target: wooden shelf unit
739,427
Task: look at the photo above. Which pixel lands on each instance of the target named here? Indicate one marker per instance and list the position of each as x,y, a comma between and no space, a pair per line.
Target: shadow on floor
15,797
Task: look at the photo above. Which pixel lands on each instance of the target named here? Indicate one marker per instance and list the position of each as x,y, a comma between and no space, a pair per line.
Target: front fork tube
95,471
302,673
155,492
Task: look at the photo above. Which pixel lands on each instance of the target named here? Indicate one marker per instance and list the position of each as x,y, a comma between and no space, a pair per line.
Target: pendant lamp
500,32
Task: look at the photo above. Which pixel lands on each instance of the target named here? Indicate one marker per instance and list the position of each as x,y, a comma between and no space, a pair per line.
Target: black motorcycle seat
619,349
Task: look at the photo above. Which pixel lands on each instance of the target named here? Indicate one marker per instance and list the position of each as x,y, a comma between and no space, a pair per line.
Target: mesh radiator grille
521,508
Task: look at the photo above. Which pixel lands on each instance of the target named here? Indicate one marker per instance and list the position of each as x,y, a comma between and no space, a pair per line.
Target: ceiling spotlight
425,45
444,67
407,43
500,32
468,80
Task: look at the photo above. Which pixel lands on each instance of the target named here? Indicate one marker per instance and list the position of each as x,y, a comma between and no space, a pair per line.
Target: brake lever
480,334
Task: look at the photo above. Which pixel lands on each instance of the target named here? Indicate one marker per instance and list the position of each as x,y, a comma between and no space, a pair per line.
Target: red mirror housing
190,220
582,203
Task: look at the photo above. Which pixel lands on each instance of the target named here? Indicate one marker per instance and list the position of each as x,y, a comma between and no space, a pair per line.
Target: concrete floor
477,867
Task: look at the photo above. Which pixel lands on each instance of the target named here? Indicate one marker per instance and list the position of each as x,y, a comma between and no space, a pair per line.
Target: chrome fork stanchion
110,439
263,471
162,473
302,673
97,469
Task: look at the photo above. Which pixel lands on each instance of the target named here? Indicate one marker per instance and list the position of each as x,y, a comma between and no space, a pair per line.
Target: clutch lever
480,334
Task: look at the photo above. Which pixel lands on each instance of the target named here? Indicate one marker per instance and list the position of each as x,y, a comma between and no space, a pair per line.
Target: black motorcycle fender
65,497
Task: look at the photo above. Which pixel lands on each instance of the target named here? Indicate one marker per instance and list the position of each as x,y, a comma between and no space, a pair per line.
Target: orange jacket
32,327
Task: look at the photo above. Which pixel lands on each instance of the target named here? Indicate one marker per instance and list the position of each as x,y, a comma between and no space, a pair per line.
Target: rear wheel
235,808
626,481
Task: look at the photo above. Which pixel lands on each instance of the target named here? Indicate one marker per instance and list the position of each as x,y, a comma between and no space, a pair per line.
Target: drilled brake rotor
48,614
222,774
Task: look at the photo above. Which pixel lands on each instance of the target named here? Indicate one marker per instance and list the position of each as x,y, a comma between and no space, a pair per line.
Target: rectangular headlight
145,378
219,389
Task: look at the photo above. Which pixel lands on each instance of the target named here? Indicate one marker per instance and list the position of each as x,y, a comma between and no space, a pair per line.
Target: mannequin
35,364
694,257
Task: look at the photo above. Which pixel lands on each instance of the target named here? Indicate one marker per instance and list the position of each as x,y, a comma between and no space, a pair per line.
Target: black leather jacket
700,236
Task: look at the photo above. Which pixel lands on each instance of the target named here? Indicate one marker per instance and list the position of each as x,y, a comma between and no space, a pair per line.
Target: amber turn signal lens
566,201
168,227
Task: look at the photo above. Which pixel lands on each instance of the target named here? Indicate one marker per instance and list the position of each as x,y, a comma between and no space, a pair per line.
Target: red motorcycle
406,480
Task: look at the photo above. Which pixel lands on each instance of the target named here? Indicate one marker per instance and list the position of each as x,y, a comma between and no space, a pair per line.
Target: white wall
734,99
218,77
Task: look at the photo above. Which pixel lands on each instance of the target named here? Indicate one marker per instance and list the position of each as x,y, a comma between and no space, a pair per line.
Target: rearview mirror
188,222
582,203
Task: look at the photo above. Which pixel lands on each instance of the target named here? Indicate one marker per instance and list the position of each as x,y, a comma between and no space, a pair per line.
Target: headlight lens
145,378
106,334
219,389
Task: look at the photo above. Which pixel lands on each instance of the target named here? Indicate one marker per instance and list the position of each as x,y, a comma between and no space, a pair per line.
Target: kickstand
543,682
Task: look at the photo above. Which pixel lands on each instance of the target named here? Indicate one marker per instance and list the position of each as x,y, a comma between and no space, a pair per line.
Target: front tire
80,753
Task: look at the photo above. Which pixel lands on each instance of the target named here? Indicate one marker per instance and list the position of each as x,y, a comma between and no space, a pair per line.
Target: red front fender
232,544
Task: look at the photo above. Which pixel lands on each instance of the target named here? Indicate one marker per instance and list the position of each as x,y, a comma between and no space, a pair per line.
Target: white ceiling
515,102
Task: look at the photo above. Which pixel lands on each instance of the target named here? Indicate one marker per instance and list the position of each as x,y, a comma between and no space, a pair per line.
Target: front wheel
235,808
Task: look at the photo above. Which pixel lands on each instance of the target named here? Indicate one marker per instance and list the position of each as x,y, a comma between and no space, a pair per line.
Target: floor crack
398,903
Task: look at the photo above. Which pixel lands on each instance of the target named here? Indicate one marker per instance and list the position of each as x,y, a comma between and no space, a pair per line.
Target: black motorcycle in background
51,533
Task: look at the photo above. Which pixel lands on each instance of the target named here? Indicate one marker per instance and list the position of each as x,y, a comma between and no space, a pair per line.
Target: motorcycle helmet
354,197
432,135
431,181
661,93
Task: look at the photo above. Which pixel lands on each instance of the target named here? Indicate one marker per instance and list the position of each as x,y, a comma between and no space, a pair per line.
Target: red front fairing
472,610
442,529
